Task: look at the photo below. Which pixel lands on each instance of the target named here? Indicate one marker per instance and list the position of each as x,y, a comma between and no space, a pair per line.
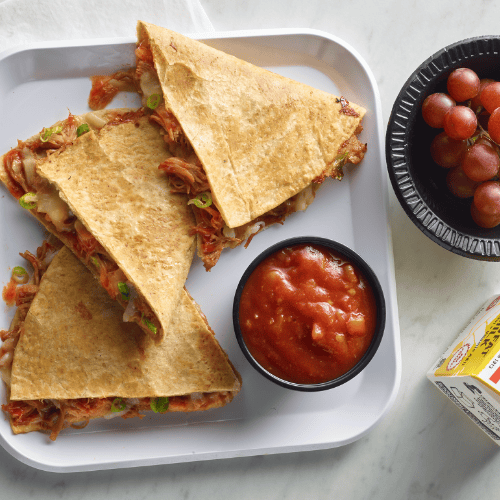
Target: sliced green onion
28,201
153,101
19,271
124,290
47,132
159,405
118,405
340,158
82,129
338,165
203,200
95,262
149,324
20,275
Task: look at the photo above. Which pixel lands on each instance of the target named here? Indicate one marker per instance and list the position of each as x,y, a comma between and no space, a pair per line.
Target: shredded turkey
190,178
172,127
55,415
105,88
186,177
23,296
351,151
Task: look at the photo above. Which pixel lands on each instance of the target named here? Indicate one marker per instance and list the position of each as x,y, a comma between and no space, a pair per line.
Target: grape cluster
469,113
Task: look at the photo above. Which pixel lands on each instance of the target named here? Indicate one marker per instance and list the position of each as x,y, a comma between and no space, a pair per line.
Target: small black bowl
369,276
420,184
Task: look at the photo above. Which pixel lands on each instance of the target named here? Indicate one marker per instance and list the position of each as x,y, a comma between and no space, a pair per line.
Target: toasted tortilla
101,117
74,345
261,137
110,180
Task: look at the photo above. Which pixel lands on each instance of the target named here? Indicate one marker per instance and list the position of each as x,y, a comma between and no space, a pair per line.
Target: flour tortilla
110,180
95,120
75,345
260,137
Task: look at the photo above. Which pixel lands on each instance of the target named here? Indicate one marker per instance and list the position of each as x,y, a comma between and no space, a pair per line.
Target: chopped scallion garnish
28,201
150,325
124,290
118,405
340,158
95,262
20,275
203,200
338,165
159,405
47,132
153,101
19,271
82,129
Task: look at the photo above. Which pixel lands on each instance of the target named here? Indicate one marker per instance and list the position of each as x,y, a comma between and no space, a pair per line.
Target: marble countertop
424,448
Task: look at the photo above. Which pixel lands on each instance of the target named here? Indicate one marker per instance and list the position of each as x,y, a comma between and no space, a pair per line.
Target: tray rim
391,298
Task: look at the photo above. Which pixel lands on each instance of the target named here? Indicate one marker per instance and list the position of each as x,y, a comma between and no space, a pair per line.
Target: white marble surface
424,448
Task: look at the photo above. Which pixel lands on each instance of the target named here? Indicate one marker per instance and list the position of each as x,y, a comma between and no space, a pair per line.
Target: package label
475,402
468,372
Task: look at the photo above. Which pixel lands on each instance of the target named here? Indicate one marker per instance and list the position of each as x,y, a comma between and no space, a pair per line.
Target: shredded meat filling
186,177
24,295
172,127
105,88
351,151
37,148
56,415
190,178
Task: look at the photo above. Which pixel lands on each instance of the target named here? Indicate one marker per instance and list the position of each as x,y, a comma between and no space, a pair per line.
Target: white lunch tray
38,85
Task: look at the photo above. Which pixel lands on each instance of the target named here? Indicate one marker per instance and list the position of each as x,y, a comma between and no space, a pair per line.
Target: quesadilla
68,358
93,181
249,146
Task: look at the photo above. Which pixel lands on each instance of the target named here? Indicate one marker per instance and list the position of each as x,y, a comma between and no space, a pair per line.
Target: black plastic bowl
369,276
419,184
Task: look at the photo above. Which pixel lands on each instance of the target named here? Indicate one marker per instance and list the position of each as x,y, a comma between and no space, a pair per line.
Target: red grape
490,97
463,84
481,162
447,152
470,144
494,125
476,101
460,123
487,198
459,184
435,107
482,220
488,142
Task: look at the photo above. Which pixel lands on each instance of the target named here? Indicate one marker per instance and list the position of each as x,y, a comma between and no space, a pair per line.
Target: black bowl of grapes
443,148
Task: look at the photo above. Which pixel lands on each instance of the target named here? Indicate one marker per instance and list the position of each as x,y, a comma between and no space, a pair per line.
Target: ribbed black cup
419,184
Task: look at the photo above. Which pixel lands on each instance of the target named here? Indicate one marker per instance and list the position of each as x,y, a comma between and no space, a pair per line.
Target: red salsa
307,315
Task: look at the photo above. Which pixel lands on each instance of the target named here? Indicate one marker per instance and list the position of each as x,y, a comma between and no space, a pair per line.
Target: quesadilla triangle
249,146
101,193
75,360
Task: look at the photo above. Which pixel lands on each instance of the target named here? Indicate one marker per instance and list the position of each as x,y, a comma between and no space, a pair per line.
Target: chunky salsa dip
307,315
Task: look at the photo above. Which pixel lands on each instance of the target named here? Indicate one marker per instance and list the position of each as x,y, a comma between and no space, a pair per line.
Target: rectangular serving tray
38,85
